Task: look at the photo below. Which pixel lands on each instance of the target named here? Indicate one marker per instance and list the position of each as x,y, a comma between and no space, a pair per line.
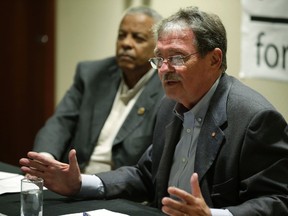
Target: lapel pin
141,111
213,134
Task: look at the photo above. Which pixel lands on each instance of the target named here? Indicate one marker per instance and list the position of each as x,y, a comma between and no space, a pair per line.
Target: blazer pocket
225,193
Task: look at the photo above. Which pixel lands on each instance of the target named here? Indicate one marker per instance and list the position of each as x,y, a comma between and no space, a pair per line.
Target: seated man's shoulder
99,62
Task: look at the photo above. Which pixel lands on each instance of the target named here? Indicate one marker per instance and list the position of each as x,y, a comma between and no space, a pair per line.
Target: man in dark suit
111,104
219,147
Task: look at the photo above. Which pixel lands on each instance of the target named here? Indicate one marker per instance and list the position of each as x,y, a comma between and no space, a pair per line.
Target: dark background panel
27,73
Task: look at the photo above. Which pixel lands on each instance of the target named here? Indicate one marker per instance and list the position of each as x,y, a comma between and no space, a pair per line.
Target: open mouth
171,82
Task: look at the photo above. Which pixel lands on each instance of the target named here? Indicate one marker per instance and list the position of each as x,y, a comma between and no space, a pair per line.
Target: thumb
195,188
73,160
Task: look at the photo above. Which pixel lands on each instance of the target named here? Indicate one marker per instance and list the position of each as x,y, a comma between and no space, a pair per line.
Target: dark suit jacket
241,156
81,114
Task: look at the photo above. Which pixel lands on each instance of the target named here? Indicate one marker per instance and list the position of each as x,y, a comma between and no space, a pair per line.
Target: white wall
87,30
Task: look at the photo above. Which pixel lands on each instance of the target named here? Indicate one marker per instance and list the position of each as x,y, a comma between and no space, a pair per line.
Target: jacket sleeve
55,135
263,167
130,182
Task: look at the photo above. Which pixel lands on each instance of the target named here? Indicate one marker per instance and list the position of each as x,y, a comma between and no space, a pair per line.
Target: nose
127,42
166,62
165,68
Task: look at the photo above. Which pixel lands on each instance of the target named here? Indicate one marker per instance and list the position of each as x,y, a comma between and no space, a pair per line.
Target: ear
216,58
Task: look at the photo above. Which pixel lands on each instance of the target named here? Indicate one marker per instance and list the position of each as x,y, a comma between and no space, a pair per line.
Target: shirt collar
127,94
200,109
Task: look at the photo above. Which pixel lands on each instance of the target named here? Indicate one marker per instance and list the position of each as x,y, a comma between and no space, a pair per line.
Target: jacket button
141,111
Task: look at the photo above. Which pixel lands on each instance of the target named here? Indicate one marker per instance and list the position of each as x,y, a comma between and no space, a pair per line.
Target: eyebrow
157,52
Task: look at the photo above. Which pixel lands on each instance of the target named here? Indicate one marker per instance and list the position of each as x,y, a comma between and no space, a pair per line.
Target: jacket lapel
212,137
110,84
209,143
143,105
172,134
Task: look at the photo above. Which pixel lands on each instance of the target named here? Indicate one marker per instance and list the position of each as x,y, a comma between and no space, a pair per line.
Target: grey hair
144,10
208,29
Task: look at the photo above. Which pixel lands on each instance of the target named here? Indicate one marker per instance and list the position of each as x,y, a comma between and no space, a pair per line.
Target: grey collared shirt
184,155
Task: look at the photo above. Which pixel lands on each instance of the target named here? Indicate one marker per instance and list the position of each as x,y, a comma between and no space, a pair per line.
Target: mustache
125,53
171,77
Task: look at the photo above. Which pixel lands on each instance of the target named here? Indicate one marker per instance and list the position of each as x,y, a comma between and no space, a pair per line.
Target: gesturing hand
189,204
61,178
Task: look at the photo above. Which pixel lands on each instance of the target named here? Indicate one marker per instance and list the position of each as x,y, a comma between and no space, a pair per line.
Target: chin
126,66
170,95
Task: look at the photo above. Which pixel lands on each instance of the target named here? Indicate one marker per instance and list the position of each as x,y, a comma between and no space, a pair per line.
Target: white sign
264,45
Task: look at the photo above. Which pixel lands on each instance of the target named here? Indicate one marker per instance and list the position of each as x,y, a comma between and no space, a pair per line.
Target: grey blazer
81,114
241,156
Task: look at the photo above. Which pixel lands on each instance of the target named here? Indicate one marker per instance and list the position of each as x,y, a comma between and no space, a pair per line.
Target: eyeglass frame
169,60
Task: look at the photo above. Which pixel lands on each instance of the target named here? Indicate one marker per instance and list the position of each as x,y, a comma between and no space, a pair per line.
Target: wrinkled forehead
173,27
176,32
175,39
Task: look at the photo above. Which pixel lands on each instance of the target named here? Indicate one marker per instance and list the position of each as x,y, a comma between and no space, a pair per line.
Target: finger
171,211
173,207
195,188
32,164
181,194
32,172
24,161
41,158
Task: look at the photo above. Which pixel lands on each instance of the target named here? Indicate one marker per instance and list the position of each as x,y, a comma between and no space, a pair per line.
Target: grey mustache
170,77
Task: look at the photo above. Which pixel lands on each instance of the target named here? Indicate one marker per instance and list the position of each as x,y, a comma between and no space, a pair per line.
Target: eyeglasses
177,60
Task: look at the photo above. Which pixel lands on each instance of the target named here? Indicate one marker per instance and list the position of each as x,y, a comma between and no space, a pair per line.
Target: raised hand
61,178
188,204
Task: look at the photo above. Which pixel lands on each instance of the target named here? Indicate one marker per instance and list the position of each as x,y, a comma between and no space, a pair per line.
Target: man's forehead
174,40
139,18
175,34
136,22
